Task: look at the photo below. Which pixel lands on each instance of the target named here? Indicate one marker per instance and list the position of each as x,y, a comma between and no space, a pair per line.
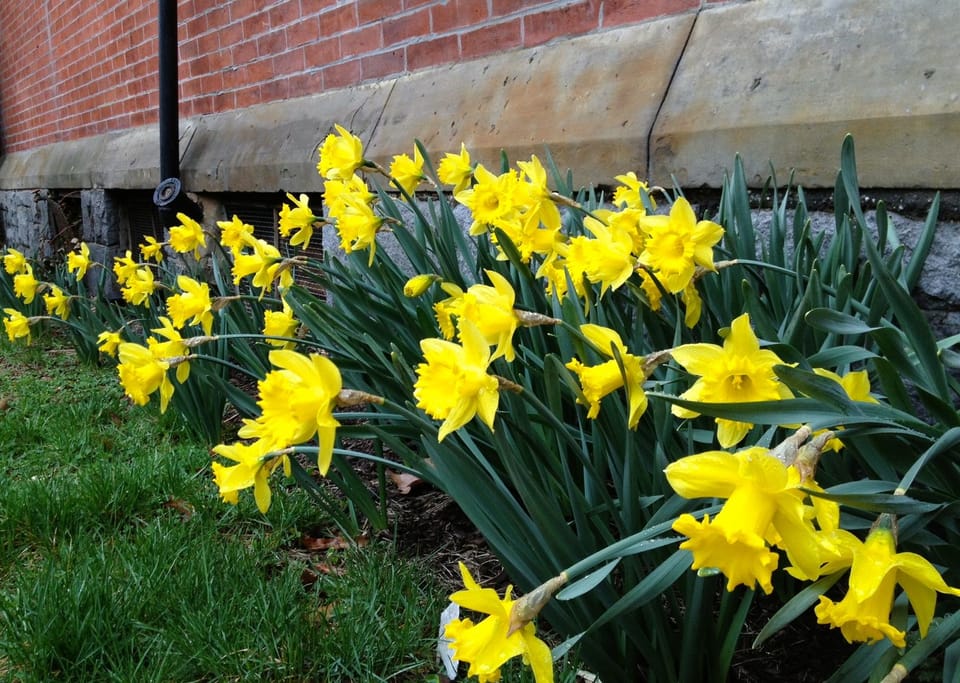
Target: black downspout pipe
170,197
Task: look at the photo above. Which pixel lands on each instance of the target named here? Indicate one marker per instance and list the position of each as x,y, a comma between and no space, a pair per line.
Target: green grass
118,562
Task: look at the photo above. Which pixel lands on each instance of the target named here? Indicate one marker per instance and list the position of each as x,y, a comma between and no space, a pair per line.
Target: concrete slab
272,147
785,81
590,100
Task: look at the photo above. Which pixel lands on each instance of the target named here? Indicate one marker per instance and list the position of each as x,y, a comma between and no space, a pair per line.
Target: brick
411,4
500,8
369,11
490,39
311,7
338,19
323,52
306,83
341,75
457,14
271,44
248,96
275,89
361,41
443,50
382,64
303,32
405,27
570,20
285,14
289,62
621,12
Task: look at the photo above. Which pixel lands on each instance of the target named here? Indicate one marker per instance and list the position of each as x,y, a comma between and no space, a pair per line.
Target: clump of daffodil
677,244
596,381
16,325
341,154
452,383
492,642
406,173
234,233
856,384
739,371
490,309
25,284
57,303
280,323
876,568
138,286
764,507
79,261
152,249
191,303
300,218
14,261
187,236
456,170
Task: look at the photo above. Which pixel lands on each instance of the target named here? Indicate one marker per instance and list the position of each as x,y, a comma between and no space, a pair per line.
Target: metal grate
143,220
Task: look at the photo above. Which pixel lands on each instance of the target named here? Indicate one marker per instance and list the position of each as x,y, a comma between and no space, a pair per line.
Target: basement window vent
143,220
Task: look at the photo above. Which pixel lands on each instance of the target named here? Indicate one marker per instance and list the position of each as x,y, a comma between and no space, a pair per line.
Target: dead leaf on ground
404,481
183,507
331,542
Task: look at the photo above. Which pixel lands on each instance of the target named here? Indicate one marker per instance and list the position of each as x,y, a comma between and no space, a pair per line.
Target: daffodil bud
419,284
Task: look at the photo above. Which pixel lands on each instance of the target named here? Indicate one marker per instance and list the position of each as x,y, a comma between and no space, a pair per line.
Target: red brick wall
76,68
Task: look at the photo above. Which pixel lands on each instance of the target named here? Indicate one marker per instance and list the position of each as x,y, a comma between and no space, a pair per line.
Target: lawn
120,563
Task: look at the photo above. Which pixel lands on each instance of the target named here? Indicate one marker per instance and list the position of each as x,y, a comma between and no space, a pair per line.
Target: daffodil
456,170
280,324
739,371
57,303
297,402
357,225
187,236
341,154
490,309
490,644
264,263
535,195
152,249
419,284
174,348
233,233
142,373
79,261
124,267
856,384
677,244
335,193
299,218
630,193
254,465
407,173
25,284
138,287
597,381
491,200
193,303
608,257
16,325
108,341
876,568
14,261
764,507
452,383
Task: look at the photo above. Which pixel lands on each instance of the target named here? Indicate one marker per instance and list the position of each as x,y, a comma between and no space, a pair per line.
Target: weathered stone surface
785,81
101,218
26,221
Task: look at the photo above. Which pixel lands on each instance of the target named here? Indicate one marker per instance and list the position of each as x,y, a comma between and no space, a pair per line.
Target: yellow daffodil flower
419,284
628,194
597,381
14,262
764,507
234,233
491,200
489,308
142,373
335,191
193,302
280,324
456,170
297,402
57,303
124,267
489,644
300,219
341,154
452,383
739,371
407,173
677,244
863,615
608,258
79,261
138,287
254,467
857,386
16,325
537,204
357,225
152,249
264,264
173,347
188,236
108,341
25,284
